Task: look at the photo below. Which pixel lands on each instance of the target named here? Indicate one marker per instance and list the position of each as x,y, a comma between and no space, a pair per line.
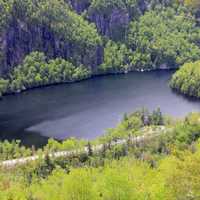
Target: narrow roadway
97,148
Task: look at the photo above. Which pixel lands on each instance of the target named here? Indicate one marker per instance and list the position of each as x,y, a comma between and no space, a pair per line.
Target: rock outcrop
112,20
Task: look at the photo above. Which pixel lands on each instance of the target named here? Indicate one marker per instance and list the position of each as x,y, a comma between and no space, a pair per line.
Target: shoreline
95,75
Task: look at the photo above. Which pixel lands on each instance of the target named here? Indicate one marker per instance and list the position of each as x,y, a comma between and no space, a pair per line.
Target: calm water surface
86,109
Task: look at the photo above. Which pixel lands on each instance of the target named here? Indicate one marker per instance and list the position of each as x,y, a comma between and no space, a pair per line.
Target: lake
86,109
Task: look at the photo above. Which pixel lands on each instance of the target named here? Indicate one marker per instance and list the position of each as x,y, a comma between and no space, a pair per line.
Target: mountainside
148,155
47,26
102,36
50,27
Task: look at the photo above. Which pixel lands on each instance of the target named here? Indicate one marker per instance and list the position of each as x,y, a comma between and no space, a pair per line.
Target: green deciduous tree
163,39
187,79
36,71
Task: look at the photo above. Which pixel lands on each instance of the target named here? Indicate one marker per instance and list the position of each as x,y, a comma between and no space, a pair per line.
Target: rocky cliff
20,39
24,33
52,29
112,17
79,5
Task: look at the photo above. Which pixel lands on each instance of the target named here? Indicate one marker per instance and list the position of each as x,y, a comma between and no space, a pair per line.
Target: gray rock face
79,5
112,21
20,38
113,24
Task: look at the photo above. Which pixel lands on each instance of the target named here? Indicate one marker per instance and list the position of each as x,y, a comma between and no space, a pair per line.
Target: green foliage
192,3
161,167
163,39
126,179
160,35
14,149
106,6
66,23
134,125
188,131
145,172
67,29
37,71
116,58
3,86
11,150
5,8
183,181
156,118
67,145
187,79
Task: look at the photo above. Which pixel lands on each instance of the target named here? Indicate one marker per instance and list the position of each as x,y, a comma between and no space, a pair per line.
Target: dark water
86,109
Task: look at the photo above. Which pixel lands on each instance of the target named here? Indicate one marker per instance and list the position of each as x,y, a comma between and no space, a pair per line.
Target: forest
186,80
91,37
133,170
148,155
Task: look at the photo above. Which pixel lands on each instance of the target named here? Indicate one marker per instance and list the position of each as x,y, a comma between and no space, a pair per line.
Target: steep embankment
54,28
93,36
46,26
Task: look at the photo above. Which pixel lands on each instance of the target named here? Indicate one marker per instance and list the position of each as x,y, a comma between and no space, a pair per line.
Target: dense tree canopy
47,26
163,39
187,79
192,3
46,42
116,58
37,71
66,23
108,37
5,8
3,86
133,171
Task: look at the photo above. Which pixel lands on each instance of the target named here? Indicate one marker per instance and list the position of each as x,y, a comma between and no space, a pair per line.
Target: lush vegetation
37,71
46,42
187,79
163,38
3,86
126,179
130,126
66,23
160,39
134,170
47,26
93,36
116,58
192,3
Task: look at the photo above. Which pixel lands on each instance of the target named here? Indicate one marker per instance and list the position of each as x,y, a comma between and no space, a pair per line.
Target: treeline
129,171
36,70
187,79
130,126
